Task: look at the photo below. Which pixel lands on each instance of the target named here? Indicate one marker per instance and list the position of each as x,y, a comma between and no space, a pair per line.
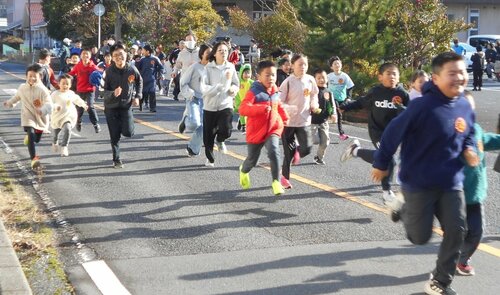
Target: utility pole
29,30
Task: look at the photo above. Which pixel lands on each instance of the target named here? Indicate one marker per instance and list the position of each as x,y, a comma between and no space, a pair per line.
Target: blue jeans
194,122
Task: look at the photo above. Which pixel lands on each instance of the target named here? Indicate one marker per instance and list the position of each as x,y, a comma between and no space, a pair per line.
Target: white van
482,40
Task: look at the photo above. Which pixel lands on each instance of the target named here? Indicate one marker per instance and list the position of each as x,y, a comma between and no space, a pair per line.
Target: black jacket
477,61
280,77
128,79
326,106
380,103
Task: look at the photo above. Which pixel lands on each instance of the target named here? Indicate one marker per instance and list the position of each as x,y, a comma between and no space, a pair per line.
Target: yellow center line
324,187
333,190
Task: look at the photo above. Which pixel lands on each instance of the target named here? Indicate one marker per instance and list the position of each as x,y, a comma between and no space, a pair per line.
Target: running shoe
343,136
348,153
97,128
433,287
465,270
64,151
209,164
182,126
118,164
26,140
277,188
190,152
244,179
318,161
55,148
285,183
35,163
221,146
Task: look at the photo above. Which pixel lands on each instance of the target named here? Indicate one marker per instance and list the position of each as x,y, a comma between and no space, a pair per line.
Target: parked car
469,51
482,40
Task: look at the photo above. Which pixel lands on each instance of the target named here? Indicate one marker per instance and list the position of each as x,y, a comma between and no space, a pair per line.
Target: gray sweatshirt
191,81
218,91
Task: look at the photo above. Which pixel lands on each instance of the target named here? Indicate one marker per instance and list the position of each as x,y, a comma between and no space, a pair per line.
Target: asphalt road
165,224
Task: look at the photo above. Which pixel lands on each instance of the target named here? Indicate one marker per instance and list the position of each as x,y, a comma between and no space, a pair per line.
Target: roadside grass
32,236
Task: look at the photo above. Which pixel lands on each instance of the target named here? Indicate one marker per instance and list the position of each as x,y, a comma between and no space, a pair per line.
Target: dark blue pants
151,98
34,137
474,232
120,122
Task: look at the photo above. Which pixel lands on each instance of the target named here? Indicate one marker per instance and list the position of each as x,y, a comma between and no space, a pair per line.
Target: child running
266,119
383,102
36,107
475,191
418,79
435,132
245,83
85,90
319,122
299,95
221,84
341,85
191,88
64,114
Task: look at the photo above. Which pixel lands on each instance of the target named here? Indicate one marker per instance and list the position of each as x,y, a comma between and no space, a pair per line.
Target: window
262,8
474,20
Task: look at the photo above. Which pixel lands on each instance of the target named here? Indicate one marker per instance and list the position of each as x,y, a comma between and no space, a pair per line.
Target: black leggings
34,136
368,156
217,126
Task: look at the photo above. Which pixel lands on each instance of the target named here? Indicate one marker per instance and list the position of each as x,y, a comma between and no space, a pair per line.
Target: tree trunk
118,26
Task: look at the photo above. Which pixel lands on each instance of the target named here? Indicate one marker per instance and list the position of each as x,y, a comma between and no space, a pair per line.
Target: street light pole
29,28
99,33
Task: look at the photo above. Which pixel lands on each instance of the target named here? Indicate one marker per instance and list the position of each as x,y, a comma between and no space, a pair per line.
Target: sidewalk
12,279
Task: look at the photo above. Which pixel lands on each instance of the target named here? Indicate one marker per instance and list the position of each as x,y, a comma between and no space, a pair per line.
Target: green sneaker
26,140
244,179
277,188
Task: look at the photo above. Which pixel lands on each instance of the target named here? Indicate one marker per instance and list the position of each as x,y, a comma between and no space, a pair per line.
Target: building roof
37,18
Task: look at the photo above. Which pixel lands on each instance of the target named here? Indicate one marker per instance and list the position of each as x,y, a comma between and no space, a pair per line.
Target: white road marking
353,137
10,91
104,278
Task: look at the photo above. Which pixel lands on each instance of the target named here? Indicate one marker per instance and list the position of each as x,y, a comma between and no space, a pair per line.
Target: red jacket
234,57
82,72
262,123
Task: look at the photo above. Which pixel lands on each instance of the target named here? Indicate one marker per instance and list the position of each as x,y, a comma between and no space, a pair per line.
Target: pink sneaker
343,137
285,183
296,157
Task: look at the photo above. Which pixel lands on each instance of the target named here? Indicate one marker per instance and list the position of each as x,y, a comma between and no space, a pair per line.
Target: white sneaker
388,196
393,201
209,164
349,151
55,148
64,151
221,146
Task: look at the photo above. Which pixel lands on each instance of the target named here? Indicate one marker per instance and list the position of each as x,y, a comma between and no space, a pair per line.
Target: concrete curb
12,278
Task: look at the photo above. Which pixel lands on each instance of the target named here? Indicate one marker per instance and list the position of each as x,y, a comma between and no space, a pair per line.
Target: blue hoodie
433,130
